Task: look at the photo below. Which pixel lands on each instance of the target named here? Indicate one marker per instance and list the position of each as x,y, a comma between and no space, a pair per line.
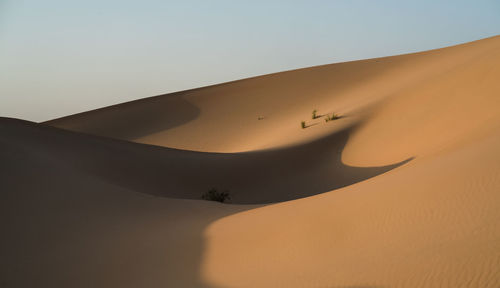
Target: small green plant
331,117
303,124
314,114
214,195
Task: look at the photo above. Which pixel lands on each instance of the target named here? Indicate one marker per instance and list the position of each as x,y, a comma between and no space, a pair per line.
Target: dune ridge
402,191
229,112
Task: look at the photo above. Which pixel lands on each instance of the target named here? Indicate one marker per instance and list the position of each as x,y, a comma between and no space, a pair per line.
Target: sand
402,191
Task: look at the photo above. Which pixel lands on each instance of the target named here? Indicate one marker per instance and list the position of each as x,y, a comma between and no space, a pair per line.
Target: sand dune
225,117
402,191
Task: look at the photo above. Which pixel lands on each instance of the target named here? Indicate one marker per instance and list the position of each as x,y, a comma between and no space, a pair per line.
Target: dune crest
228,114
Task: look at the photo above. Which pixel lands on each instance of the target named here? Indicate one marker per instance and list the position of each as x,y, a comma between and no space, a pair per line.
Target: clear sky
59,57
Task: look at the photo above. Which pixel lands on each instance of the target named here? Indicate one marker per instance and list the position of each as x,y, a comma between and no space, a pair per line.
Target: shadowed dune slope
252,178
65,225
404,191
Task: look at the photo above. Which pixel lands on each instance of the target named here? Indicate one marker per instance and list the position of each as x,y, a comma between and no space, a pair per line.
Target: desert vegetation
315,114
214,195
330,117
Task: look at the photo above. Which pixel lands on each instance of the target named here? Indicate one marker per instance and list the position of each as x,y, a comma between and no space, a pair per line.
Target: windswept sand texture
402,191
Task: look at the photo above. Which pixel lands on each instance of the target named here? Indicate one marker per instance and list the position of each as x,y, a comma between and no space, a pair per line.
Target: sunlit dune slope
402,191
224,118
434,222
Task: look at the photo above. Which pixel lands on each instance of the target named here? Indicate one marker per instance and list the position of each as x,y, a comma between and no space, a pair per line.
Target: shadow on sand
134,119
155,240
258,177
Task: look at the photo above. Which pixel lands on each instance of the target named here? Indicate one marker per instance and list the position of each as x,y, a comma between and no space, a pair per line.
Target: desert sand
402,191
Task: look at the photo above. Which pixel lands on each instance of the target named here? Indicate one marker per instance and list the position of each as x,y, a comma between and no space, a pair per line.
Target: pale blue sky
59,57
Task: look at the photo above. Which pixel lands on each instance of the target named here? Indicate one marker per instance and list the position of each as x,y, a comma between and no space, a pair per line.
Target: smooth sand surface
402,191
